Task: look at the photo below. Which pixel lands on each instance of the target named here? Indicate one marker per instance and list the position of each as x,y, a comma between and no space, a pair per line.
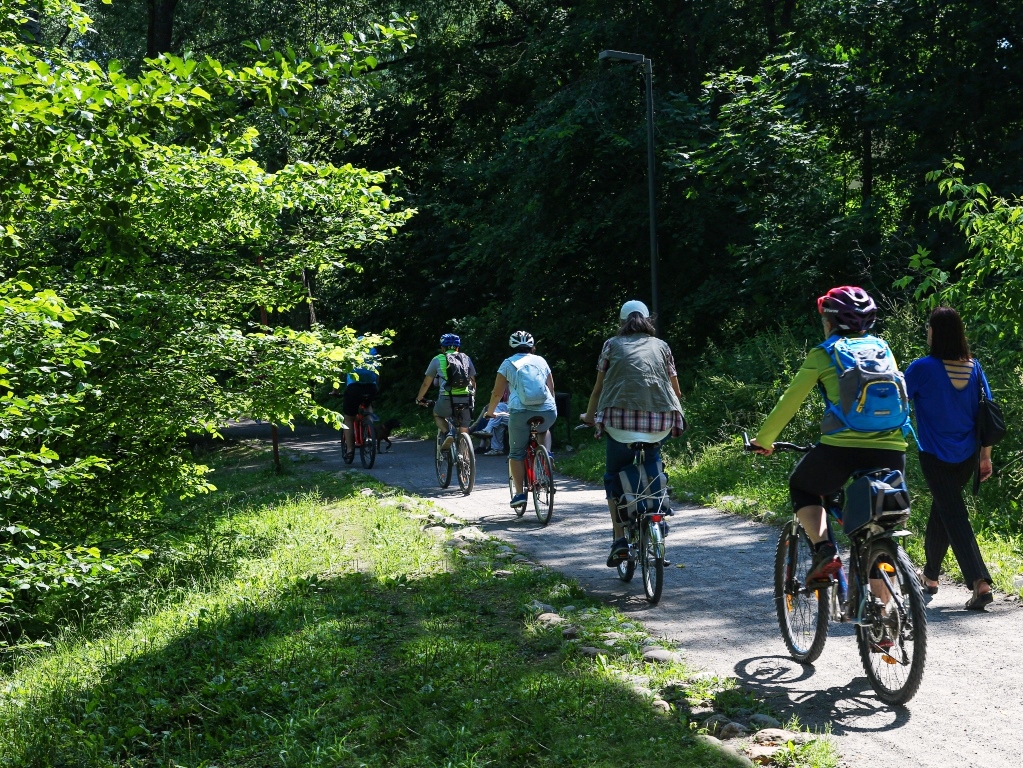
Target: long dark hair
636,323
948,335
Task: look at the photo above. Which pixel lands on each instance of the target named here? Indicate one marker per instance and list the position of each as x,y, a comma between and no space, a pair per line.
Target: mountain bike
645,511
365,437
539,477
459,455
881,594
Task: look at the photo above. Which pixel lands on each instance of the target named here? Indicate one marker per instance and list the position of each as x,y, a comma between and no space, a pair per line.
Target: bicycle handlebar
748,446
426,403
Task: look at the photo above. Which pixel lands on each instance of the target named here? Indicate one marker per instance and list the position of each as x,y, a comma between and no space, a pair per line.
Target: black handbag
990,426
990,421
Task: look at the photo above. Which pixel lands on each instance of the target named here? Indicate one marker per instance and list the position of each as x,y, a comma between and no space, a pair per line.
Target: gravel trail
717,607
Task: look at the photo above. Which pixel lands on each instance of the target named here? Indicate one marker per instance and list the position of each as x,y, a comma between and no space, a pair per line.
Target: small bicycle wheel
651,559
465,460
893,637
802,613
368,449
443,460
543,486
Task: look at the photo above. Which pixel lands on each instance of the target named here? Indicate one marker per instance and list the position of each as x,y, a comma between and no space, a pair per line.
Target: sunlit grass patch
334,630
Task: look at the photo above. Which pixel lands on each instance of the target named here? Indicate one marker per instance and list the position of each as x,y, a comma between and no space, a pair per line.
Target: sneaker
825,564
492,453
447,442
518,500
619,552
482,433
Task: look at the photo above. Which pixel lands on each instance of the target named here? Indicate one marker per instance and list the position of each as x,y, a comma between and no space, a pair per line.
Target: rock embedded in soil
758,753
570,633
437,530
763,721
714,723
781,736
661,705
539,607
590,652
568,609
502,574
731,731
661,656
550,619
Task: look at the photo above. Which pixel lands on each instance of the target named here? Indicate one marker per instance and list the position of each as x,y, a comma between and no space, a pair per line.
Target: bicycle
365,437
646,511
539,477
459,454
881,594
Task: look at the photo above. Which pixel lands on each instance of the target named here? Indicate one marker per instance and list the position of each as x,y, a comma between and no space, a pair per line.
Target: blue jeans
617,457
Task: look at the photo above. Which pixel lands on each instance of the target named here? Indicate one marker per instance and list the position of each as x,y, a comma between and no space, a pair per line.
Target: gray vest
637,379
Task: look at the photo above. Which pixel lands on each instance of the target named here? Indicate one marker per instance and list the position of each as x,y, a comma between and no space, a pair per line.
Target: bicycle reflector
656,518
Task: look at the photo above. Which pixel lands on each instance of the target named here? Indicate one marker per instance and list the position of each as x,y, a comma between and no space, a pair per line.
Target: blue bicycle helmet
450,340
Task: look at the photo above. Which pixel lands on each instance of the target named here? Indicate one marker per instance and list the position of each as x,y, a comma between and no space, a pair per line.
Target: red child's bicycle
539,479
365,438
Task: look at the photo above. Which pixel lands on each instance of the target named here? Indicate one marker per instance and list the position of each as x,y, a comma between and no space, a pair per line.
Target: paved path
718,608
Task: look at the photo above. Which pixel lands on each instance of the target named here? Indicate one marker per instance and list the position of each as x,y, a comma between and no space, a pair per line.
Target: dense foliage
150,271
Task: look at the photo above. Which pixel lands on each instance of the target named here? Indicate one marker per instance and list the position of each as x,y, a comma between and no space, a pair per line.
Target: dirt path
718,608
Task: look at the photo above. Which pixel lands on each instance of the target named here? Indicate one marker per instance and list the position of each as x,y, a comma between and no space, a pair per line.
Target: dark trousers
617,456
949,523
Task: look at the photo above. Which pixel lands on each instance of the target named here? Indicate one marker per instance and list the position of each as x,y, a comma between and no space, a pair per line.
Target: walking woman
945,389
635,399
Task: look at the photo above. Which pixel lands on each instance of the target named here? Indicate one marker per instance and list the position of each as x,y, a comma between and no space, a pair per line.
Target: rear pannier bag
645,489
877,497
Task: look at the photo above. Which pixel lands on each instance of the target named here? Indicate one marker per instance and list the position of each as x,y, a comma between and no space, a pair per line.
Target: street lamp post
648,76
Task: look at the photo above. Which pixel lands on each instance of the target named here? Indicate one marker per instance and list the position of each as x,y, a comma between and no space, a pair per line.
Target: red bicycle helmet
849,308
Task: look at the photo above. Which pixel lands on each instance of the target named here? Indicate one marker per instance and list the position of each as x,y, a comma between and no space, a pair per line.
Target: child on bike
529,380
849,312
455,375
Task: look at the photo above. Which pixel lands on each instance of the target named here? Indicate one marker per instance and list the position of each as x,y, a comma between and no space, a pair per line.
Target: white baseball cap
634,306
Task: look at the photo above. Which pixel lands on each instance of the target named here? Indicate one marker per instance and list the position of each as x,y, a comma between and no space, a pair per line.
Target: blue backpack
872,391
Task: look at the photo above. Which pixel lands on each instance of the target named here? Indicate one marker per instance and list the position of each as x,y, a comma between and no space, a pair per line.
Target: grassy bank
324,620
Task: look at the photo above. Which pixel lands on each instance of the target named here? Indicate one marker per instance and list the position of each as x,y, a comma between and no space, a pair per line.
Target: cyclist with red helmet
845,311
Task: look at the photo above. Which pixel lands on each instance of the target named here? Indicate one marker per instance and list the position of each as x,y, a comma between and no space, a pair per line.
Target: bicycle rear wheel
465,460
368,449
520,510
802,614
443,460
651,558
543,485
893,637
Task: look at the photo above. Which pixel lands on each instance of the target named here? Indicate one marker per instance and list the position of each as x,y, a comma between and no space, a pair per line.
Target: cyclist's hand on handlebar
758,448
586,419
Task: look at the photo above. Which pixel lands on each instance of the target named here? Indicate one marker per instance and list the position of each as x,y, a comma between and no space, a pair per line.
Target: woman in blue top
528,378
945,389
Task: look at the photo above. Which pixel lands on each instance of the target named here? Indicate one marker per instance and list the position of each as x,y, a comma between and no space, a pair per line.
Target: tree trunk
161,27
786,15
868,165
772,30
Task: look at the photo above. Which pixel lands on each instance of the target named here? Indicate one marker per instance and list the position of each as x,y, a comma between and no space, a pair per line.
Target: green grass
310,620
721,475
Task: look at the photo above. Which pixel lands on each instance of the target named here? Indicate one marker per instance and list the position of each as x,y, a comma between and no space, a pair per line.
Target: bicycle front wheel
465,460
543,486
651,553
368,449
802,613
893,635
443,460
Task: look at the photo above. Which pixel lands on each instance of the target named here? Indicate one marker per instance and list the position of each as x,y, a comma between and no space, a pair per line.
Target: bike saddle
536,421
645,446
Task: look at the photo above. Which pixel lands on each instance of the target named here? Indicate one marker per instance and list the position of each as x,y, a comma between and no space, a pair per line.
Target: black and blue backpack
872,390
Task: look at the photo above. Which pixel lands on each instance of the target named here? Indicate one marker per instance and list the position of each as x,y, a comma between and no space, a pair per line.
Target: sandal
928,588
979,600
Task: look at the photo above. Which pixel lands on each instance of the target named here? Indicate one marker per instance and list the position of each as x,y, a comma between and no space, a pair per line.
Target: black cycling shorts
355,395
826,468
